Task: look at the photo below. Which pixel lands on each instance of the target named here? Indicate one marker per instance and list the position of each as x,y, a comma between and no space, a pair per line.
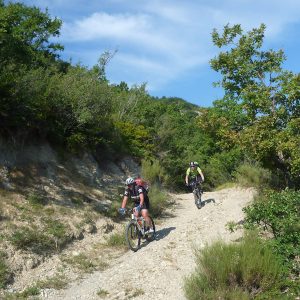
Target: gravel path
157,270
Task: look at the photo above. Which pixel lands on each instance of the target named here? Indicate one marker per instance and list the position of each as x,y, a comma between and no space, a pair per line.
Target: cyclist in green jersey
193,173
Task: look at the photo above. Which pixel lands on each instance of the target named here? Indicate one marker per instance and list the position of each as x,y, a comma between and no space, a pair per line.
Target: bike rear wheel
151,236
133,236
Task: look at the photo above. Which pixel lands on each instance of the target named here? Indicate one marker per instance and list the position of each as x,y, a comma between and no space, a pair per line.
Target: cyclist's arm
125,198
142,199
124,202
187,176
201,174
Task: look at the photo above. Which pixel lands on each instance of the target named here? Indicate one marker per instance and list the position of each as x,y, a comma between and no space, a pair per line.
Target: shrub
158,200
153,172
4,271
278,212
32,239
252,175
58,231
116,240
235,271
58,282
36,200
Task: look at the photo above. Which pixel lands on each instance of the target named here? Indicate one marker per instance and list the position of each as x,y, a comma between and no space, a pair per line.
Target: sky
167,43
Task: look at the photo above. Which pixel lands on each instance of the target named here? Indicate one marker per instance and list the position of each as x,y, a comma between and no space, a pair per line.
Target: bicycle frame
135,231
139,221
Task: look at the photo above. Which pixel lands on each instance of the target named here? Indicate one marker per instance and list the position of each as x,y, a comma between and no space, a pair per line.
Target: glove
122,211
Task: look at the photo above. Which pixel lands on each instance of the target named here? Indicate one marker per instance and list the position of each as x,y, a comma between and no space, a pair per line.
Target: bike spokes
133,236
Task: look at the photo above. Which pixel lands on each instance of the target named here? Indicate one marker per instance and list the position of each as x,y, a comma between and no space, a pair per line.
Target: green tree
263,97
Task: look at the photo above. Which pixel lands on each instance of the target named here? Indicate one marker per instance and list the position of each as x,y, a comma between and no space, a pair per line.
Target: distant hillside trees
76,107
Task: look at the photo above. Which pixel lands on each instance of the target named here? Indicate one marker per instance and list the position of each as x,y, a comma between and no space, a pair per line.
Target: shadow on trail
204,202
162,233
159,234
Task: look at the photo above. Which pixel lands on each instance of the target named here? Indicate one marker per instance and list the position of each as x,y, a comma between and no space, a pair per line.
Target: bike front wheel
133,236
197,197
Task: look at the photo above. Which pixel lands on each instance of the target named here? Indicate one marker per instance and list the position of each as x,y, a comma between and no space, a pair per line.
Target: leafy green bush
158,200
279,212
252,175
153,172
236,271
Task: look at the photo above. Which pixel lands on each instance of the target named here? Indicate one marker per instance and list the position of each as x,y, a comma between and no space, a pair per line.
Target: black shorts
146,204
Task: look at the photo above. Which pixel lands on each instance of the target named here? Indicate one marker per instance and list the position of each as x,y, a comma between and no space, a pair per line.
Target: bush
31,239
4,271
116,240
158,200
153,172
36,200
278,212
252,175
236,271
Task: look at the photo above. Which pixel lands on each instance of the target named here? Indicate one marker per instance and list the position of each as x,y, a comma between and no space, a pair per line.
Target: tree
25,33
263,97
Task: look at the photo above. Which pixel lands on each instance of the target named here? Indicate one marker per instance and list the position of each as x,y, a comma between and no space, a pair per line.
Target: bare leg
145,215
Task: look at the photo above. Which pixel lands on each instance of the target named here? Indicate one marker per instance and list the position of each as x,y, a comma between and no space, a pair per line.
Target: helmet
129,181
194,164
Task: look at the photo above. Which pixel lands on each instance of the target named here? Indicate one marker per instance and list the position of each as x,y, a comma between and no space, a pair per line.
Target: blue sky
167,43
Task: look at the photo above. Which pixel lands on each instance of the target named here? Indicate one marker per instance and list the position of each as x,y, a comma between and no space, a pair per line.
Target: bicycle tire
133,236
150,237
197,197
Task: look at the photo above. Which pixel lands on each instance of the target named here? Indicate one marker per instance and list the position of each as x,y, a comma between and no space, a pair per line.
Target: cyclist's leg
145,214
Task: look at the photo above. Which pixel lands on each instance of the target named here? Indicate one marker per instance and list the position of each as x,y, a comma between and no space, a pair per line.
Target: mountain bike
136,230
197,192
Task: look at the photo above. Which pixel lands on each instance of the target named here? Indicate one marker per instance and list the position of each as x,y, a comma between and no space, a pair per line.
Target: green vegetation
117,240
248,270
5,274
32,239
252,175
257,119
251,136
27,293
58,282
158,200
279,214
102,293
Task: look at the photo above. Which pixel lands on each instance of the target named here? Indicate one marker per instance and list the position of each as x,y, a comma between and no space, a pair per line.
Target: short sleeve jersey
193,172
134,193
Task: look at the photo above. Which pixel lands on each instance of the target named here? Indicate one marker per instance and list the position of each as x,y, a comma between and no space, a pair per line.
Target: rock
90,228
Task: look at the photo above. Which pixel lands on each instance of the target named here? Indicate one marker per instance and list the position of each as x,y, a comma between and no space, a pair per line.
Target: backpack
141,182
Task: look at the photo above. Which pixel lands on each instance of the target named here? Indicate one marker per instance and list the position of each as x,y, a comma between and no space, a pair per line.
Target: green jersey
193,172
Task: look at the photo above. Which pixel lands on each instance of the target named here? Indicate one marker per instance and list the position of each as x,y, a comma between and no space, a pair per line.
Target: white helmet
129,181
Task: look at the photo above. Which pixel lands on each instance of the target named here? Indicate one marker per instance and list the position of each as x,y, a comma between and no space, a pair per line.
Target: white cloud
160,40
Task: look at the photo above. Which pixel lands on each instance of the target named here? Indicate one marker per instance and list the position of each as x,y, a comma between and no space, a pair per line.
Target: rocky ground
158,269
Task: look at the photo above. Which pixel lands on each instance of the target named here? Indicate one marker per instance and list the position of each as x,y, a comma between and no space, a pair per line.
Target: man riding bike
141,200
193,174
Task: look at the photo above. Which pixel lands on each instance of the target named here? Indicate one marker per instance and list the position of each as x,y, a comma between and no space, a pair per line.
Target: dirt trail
157,270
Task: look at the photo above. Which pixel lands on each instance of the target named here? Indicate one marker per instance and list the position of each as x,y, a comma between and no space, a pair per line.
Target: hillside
166,261
48,202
